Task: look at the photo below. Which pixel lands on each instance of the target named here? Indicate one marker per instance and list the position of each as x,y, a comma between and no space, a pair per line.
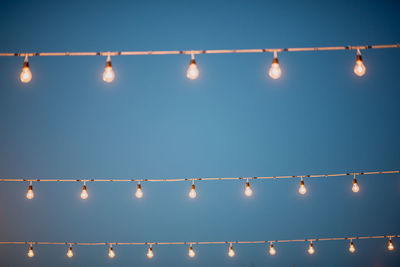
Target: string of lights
192,193
191,251
193,72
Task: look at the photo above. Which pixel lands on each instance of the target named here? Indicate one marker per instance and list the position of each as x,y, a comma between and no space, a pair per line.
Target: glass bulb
192,72
231,252
248,192
70,254
84,193
26,74
275,70
191,252
272,250
30,194
302,188
352,249
30,252
150,253
390,245
359,68
311,249
111,253
108,74
355,187
139,192
192,193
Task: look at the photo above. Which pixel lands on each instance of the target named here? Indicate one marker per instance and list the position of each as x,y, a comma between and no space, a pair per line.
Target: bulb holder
354,181
108,63
193,61
275,60
301,183
247,184
26,64
139,186
30,187
193,186
84,188
359,58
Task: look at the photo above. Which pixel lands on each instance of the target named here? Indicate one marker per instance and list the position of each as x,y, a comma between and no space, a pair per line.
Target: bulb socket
30,187
26,64
193,61
354,181
139,186
84,187
301,183
275,60
108,63
359,58
247,184
193,187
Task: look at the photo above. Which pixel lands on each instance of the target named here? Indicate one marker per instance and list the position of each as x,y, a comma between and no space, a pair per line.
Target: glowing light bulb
248,192
111,252
192,193
70,254
139,192
390,245
150,253
84,193
192,72
275,70
355,187
302,188
272,250
311,249
30,194
26,74
352,249
30,252
108,74
191,252
359,68
231,252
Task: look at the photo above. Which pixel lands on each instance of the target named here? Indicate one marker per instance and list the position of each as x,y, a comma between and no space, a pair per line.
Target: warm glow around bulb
139,192
30,252
272,250
248,192
311,249
192,193
191,252
302,188
192,72
108,74
359,68
26,74
111,253
352,249
355,187
84,194
30,194
390,245
150,253
275,70
231,252
70,254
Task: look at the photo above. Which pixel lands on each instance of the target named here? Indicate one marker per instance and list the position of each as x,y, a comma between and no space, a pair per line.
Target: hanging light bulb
248,192
84,193
352,249
192,72
30,252
302,188
192,193
26,74
139,192
231,252
275,71
111,252
108,74
311,248
191,252
70,254
150,252
30,194
272,250
390,244
359,68
355,187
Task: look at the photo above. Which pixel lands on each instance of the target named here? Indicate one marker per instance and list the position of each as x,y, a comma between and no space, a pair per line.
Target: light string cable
150,245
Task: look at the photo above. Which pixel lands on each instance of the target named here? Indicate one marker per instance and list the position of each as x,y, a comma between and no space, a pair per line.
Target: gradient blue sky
233,121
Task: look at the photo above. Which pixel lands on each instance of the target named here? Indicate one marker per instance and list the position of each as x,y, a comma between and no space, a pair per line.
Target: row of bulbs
192,72
231,251
192,193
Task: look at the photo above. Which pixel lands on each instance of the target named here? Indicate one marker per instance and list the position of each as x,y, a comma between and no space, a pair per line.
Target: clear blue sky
234,120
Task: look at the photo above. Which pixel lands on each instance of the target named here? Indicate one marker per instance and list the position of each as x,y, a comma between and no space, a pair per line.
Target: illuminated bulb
311,249
26,74
139,192
359,68
275,71
272,250
352,249
355,187
111,253
248,192
70,254
108,74
192,193
30,252
390,245
150,253
231,252
191,252
302,188
30,194
192,72
84,193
